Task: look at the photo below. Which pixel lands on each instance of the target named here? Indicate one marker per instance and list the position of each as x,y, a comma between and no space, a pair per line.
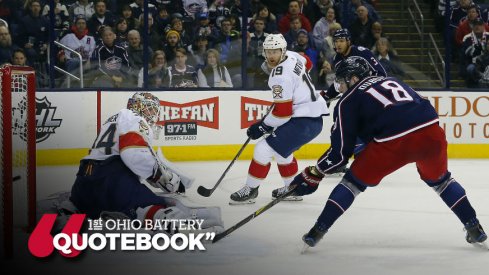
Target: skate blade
250,201
483,245
291,198
304,248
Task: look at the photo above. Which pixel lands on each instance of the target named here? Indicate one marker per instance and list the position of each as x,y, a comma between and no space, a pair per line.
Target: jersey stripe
131,139
283,109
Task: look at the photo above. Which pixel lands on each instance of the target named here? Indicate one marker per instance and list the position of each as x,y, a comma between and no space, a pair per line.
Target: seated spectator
182,75
162,20
472,47
361,29
257,37
6,47
155,39
482,67
304,46
34,33
132,21
218,11
291,35
193,7
61,16
198,51
157,73
292,12
19,58
389,60
172,43
214,74
465,27
377,33
185,39
226,41
327,50
101,17
352,12
83,8
204,28
138,8
269,18
135,52
459,13
321,29
326,75
121,31
79,41
112,60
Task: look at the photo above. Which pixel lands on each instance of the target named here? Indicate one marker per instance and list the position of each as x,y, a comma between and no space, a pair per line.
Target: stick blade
204,192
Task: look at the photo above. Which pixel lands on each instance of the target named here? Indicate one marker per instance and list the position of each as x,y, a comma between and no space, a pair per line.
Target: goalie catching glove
164,179
306,182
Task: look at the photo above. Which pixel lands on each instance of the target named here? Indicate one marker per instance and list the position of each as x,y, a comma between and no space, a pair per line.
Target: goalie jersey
294,94
127,135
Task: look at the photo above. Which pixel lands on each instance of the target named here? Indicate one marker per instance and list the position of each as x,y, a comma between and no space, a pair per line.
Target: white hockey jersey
293,92
84,46
128,135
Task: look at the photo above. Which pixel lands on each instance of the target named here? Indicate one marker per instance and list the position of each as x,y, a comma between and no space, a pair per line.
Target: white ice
399,227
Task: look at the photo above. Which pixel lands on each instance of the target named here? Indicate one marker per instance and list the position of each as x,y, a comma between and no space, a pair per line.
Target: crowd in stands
186,43
468,36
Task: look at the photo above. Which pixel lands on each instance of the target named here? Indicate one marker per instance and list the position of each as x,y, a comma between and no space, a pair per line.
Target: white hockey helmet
275,41
146,105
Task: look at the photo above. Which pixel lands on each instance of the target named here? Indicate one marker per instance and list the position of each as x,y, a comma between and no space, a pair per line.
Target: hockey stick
252,216
207,192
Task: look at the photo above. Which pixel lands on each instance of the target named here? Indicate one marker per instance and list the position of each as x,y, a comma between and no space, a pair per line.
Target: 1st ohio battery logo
46,124
180,120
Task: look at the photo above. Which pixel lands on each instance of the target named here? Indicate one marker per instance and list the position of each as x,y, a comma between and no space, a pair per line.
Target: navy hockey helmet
352,66
342,33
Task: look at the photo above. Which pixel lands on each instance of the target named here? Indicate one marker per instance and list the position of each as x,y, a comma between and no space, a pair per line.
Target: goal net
18,152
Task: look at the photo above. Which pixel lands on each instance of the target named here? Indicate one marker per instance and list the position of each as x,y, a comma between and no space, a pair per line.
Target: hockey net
18,152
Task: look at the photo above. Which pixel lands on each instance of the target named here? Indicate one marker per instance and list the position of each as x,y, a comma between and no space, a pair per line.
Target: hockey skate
245,195
282,190
475,234
312,237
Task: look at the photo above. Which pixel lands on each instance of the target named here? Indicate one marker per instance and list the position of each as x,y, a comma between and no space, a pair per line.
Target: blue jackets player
344,49
399,127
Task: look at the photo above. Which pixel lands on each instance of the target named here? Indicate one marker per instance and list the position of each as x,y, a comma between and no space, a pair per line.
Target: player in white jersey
295,119
109,178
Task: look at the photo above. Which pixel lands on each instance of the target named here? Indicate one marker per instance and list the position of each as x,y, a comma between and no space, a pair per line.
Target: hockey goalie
111,180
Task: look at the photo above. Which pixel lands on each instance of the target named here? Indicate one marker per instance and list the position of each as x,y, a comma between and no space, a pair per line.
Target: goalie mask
273,42
145,105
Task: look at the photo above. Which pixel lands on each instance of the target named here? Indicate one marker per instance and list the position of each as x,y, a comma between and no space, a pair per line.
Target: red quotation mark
41,241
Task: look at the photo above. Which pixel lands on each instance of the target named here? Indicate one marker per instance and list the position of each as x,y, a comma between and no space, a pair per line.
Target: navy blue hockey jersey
376,68
374,109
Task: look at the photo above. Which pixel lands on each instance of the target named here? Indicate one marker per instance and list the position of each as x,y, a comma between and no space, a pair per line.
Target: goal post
18,152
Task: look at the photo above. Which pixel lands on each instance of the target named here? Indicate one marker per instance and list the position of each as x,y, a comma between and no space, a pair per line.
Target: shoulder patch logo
277,91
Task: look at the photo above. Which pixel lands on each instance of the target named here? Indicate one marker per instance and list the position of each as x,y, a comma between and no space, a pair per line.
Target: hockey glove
259,129
168,183
306,182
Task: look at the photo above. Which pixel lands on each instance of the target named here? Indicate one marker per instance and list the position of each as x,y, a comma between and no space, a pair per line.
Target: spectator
217,12
34,33
172,43
198,51
269,18
132,22
185,39
204,28
387,58
158,71
466,26
193,7
6,47
182,75
214,74
440,15
155,39
121,31
321,29
135,52
79,41
326,75
377,33
327,51
304,46
138,8
361,29
256,40
19,58
293,11
61,16
83,8
162,20
352,12
472,47
482,67
310,10
459,13
226,40
291,35
101,17
113,62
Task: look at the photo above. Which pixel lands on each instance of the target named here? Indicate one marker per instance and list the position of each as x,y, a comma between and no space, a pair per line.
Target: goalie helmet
275,41
352,66
146,105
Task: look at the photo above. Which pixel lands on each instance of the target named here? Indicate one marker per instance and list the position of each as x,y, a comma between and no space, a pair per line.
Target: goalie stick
207,192
252,216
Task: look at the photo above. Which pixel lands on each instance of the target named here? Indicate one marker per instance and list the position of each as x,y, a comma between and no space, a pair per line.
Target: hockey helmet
352,66
342,33
146,105
275,41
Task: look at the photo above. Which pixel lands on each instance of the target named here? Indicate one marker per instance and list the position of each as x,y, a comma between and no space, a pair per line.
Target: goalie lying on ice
110,178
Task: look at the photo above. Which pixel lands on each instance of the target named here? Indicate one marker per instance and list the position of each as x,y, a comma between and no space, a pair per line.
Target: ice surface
399,227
